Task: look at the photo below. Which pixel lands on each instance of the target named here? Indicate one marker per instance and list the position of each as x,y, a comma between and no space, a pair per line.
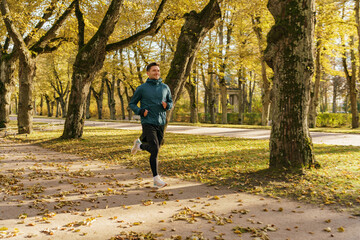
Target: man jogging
155,99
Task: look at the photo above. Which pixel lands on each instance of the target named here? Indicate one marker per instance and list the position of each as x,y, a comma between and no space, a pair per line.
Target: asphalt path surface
317,137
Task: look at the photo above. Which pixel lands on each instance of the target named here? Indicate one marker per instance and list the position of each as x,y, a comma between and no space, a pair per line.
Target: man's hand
164,104
143,112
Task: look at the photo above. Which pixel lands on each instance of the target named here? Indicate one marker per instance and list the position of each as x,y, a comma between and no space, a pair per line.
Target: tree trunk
351,82
355,117
88,62
206,94
16,104
52,105
48,103
99,96
63,106
335,91
212,100
34,107
128,97
111,97
290,54
314,97
241,80
41,104
58,111
266,85
7,83
251,94
88,98
191,88
194,106
192,33
222,81
27,67
121,99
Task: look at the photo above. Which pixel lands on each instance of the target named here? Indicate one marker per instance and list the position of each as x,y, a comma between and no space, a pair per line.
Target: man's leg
152,145
153,135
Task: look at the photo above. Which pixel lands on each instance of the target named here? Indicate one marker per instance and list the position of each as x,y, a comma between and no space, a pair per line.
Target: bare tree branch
81,25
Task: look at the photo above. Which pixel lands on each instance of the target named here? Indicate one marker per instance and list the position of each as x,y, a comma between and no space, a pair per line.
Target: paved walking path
317,137
51,195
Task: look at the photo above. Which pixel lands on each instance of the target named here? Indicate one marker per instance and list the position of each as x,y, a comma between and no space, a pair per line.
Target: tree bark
290,54
99,96
88,98
354,93
27,68
335,94
222,81
351,84
41,104
206,95
212,99
121,99
265,84
192,33
314,97
7,83
110,86
191,89
241,80
251,93
128,97
16,104
58,110
48,104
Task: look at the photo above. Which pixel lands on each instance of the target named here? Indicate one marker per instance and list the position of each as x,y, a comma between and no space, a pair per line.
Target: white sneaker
158,183
136,146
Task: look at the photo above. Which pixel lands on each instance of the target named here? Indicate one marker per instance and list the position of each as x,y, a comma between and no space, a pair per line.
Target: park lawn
241,164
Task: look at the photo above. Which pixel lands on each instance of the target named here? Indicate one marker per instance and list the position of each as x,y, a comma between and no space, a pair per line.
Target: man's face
154,72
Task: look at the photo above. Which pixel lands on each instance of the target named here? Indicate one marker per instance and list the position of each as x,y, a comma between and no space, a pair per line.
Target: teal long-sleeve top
151,94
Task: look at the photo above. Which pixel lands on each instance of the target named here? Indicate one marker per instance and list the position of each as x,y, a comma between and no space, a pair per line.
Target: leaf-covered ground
91,194
238,163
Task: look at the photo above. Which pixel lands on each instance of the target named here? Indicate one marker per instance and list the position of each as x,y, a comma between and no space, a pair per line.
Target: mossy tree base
290,54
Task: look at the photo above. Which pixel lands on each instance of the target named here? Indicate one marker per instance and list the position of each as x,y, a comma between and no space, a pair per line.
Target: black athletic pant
152,136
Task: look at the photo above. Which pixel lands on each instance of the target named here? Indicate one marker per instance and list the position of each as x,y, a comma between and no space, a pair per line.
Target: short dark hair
148,67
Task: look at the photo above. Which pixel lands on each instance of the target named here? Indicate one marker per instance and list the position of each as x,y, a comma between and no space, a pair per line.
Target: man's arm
134,101
169,101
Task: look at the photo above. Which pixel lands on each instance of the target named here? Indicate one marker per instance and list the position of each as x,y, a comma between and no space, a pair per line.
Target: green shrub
333,120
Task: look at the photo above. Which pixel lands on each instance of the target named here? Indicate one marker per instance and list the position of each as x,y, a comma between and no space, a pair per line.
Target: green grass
238,163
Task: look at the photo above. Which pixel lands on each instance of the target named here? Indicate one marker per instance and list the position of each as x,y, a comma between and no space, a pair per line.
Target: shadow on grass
234,162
